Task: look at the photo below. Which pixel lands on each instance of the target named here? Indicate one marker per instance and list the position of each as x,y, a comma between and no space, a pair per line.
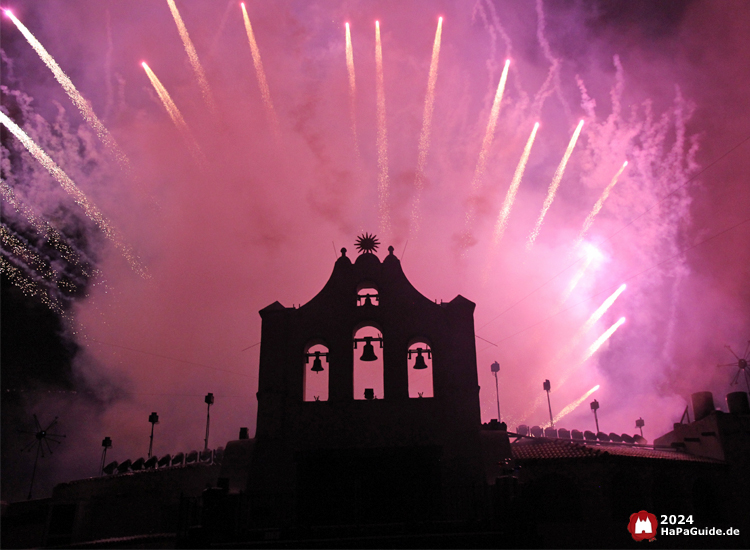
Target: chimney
703,404
738,403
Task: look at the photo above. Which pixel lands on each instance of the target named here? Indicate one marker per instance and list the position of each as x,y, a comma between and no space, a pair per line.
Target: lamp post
495,368
547,388
209,400
594,407
639,424
106,443
154,419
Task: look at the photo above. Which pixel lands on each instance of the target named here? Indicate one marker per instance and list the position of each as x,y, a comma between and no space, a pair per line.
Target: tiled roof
541,448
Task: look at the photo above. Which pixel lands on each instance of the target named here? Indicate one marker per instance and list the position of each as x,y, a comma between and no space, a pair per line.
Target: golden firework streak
502,219
176,116
72,189
262,83
28,286
603,338
573,406
352,86
424,136
573,343
554,185
382,138
598,205
489,134
78,100
193,57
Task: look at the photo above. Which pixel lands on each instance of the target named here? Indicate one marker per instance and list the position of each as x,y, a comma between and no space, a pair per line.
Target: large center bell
419,361
317,363
368,354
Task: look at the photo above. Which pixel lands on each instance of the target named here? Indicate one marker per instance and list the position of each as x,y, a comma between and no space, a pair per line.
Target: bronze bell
368,354
317,363
419,363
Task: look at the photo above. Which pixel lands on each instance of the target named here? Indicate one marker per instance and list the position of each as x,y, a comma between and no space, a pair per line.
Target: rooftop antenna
741,365
106,443
594,407
209,400
547,388
42,437
154,419
495,368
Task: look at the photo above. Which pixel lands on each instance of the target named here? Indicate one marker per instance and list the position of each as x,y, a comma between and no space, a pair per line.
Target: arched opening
315,368
368,363
368,295
419,363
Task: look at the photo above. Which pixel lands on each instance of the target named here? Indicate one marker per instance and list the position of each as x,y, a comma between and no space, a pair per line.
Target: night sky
242,206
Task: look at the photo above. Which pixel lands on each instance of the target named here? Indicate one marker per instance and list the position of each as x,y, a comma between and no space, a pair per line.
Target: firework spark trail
382,138
10,197
193,57
573,343
176,116
591,253
53,237
598,205
78,100
554,185
72,189
601,310
352,86
489,133
580,272
573,406
603,338
262,83
424,136
28,286
502,219
23,251
584,329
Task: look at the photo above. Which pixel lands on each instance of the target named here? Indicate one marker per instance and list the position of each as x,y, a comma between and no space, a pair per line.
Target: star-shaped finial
367,243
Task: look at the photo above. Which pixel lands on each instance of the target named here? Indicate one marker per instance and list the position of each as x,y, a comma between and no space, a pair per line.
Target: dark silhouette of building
387,466
390,455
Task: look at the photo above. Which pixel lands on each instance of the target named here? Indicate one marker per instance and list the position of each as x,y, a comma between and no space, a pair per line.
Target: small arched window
315,370
367,295
368,363
419,361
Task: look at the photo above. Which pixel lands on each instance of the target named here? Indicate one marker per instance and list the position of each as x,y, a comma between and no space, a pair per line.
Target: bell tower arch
371,304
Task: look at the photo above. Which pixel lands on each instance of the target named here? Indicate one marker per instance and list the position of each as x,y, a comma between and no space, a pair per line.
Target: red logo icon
643,526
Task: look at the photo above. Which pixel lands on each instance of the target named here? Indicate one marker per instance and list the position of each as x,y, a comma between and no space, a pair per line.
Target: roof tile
540,448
